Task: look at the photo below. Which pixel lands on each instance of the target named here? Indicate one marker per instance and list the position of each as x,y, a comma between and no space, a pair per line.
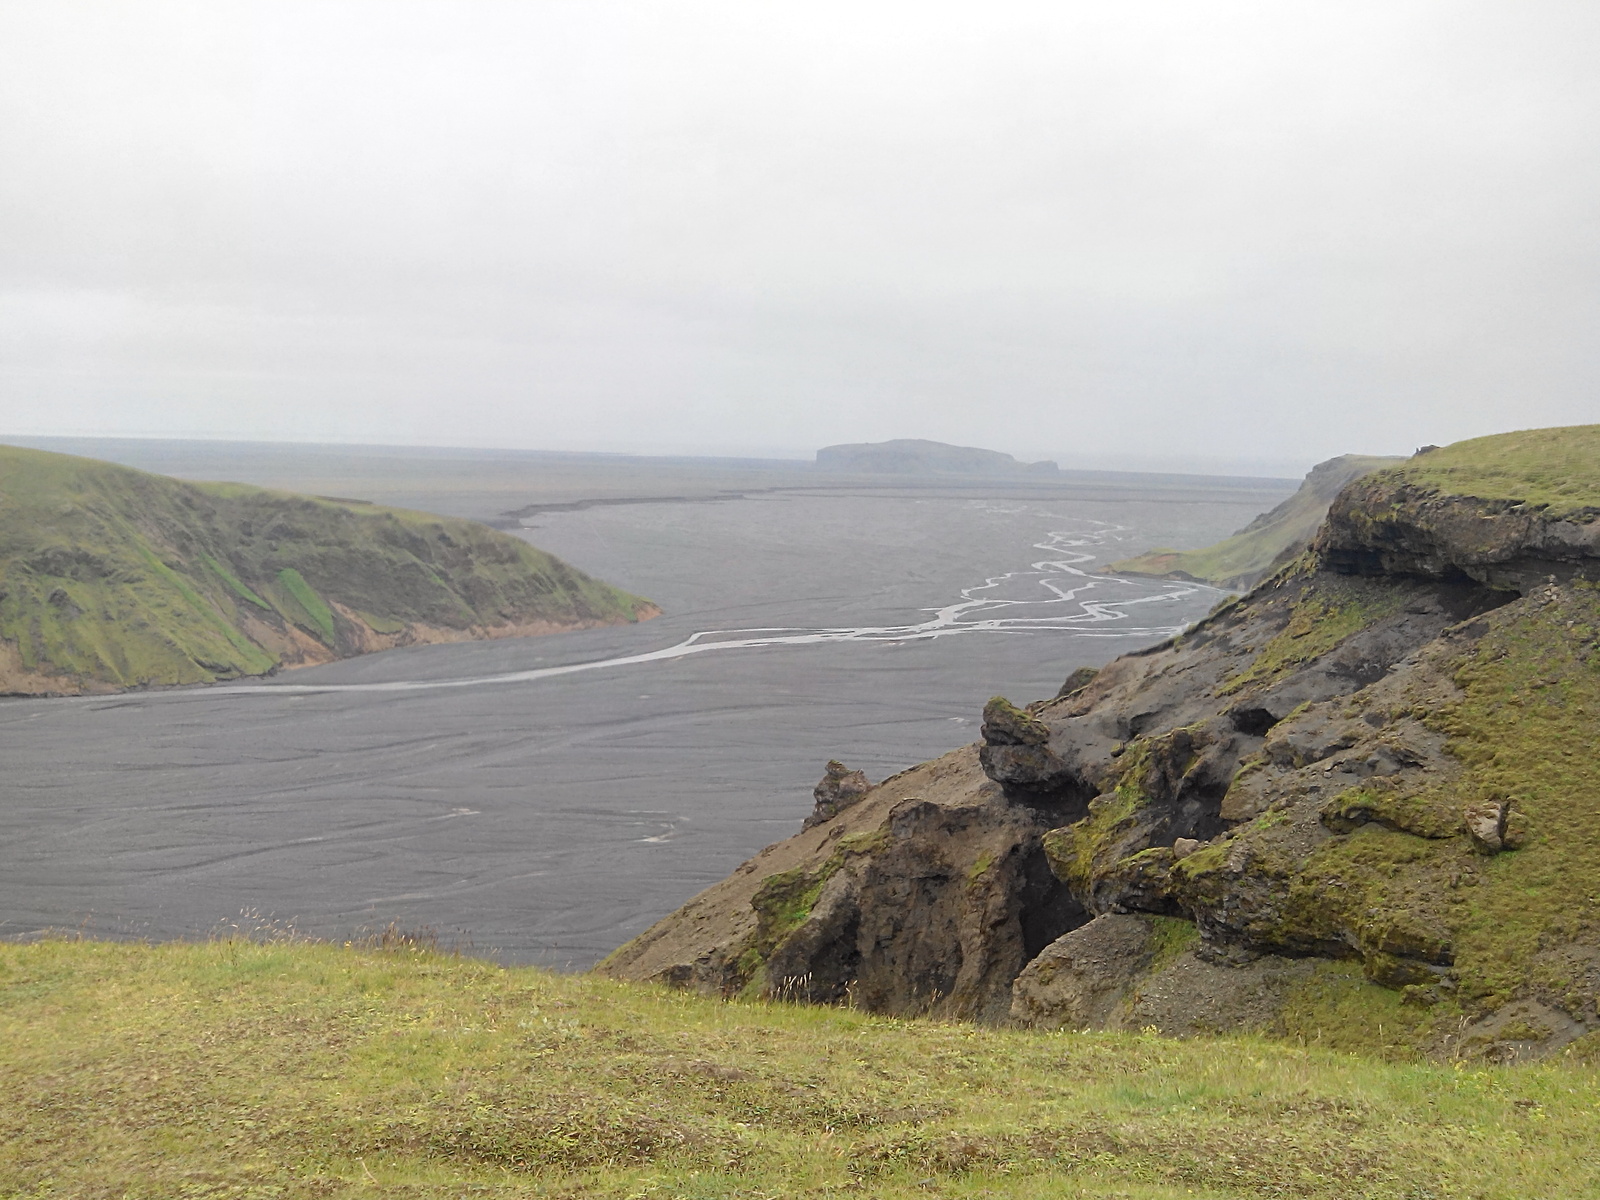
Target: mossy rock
1420,815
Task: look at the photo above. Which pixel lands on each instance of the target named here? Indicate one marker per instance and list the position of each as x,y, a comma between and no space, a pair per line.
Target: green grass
314,606
240,1069
111,577
1525,726
1170,937
1408,884
232,580
1557,469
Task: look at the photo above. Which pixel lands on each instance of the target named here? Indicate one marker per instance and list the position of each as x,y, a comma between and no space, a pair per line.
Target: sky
1181,234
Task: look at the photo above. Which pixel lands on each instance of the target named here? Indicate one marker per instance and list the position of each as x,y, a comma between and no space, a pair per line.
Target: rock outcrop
840,788
1357,804
1378,528
928,895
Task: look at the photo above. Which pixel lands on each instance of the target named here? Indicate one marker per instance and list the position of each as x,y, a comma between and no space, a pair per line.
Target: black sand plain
549,817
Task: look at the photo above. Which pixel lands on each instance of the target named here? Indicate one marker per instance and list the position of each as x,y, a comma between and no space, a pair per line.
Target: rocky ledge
1358,805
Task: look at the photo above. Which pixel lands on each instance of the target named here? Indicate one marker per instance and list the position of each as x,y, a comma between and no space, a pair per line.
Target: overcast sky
1112,233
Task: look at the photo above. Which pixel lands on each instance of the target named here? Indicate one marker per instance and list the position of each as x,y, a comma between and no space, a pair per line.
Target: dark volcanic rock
1378,527
927,896
1082,978
1077,681
937,915
840,788
1015,753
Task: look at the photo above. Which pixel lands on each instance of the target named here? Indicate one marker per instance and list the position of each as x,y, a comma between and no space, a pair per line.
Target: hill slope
290,1070
1358,805
1241,561
113,578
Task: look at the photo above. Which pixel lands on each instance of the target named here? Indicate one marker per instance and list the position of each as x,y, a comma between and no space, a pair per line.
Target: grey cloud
1168,231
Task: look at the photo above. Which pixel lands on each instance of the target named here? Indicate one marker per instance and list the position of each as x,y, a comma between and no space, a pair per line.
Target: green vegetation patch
1330,610
979,868
1426,815
784,900
1080,851
1169,937
1088,851
293,1070
381,624
1555,469
228,577
316,610
1525,729
1451,933
1341,1009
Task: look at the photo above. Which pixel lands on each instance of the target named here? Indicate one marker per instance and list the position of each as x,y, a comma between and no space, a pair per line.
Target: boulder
1081,978
1016,754
839,789
1484,823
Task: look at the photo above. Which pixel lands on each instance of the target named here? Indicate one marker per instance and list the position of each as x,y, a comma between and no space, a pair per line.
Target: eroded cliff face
1359,804
927,895
1383,527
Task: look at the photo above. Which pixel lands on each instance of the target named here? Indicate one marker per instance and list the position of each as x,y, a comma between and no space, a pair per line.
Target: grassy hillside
1271,539
1557,469
238,1069
111,578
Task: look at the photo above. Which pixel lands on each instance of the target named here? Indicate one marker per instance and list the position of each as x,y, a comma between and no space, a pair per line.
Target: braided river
542,800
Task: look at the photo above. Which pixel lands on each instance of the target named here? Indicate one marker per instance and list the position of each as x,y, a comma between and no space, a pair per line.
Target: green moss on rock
1324,616
784,902
1423,815
1526,723
1077,852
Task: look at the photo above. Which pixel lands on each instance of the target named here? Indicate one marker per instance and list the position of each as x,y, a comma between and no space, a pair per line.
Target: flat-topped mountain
914,456
113,578
1358,805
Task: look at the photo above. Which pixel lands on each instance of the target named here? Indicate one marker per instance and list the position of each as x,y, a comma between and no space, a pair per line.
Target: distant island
916,456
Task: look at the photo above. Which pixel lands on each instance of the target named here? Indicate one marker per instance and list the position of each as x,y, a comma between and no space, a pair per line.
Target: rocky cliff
113,578
1358,805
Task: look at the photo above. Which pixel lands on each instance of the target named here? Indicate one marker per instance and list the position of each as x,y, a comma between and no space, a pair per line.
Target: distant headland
915,456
